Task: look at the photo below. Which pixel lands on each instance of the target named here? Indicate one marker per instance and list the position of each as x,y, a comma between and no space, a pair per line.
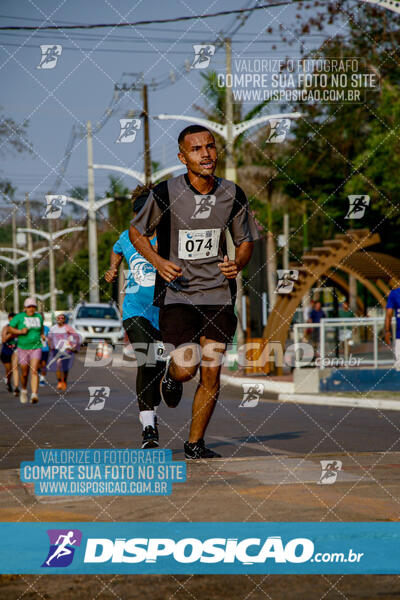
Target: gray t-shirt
191,233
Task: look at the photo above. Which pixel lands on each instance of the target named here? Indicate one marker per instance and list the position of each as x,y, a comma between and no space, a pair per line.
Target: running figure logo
129,128
50,56
97,397
357,206
286,280
251,394
54,206
202,55
330,470
62,547
279,130
204,205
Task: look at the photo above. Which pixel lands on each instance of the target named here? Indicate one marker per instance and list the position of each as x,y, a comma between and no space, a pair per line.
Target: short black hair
11,315
139,197
191,129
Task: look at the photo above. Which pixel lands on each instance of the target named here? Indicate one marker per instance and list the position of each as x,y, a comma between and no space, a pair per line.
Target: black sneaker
170,390
196,450
9,387
150,437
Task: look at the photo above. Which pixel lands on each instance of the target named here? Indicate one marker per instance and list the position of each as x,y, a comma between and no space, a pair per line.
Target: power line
147,22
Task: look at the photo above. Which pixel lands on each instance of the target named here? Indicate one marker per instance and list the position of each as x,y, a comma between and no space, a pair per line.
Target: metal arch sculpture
318,263
343,285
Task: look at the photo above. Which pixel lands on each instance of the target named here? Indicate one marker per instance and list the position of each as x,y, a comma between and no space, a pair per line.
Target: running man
28,326
195,283
8,356
393,308
62,549
140,320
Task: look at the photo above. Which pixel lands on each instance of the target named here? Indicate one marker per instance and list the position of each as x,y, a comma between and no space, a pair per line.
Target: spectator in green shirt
28,326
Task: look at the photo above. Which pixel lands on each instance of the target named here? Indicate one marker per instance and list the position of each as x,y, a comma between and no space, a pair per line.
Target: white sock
146,417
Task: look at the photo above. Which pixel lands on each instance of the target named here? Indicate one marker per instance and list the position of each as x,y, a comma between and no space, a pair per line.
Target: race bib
198,243
31,322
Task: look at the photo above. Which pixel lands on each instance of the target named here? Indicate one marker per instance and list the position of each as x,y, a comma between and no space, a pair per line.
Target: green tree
341,149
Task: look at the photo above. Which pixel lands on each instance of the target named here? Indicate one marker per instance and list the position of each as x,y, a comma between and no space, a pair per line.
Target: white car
98,322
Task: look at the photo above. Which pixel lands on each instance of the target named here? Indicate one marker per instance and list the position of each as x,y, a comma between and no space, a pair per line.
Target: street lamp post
43,297
17,261
141,177
237,128
94,293
392,5
50,237
92,206
4,284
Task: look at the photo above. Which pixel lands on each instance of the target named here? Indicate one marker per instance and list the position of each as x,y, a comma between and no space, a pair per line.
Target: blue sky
81,86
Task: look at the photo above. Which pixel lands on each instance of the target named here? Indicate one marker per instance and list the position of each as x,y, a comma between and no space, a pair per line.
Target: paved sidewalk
284,391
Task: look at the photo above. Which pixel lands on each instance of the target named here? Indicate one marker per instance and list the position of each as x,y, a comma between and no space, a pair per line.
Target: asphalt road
61,420
275,450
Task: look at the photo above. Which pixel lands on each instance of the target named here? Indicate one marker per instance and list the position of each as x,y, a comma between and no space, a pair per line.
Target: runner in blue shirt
140,321
393,307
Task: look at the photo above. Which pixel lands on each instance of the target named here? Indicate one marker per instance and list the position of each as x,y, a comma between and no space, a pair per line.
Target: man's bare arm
115,261
167,269
243,254
388,325
231,268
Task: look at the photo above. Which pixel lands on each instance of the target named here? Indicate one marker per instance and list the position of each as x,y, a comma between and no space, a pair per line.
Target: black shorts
185,324
6,356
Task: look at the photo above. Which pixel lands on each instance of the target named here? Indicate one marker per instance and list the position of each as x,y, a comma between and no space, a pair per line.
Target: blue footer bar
213,548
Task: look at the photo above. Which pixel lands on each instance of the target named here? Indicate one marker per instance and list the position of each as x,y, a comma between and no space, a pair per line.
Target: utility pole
145,115
305,227
52,269
31,268
230,173
14,254
286,238
271,251
3,291
92,225
230,167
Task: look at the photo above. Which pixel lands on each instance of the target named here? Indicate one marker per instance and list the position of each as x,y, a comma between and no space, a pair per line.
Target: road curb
285,393
341,401
269,386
